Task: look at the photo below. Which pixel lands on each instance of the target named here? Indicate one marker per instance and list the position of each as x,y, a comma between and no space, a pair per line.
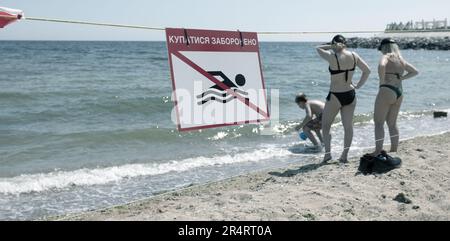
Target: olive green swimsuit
398,91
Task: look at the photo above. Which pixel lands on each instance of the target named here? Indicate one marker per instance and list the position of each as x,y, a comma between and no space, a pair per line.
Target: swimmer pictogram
219,94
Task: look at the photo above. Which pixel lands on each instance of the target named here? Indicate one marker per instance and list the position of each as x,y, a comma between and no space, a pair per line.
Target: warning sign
217,78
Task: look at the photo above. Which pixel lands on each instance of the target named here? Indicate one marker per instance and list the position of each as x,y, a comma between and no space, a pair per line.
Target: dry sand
312,192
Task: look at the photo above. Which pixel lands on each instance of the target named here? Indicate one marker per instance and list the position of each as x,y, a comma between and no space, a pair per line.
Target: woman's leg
347,113
330,112
310,135
392,124
382,107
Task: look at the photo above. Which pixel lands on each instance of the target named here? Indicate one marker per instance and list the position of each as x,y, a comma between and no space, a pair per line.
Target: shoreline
309,192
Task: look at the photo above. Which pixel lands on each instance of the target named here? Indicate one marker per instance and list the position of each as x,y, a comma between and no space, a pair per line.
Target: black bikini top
339,71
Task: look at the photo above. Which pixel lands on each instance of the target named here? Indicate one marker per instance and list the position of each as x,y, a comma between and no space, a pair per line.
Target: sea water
87,125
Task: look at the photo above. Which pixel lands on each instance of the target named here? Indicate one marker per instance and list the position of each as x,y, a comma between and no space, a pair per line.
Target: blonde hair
391,50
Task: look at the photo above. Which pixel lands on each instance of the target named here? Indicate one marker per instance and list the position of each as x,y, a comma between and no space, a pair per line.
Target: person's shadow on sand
301,170
304,149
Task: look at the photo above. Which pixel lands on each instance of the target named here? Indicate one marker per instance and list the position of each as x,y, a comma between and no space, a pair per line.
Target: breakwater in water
428,43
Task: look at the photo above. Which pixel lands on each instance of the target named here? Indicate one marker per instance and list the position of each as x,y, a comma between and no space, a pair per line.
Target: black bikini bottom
345,98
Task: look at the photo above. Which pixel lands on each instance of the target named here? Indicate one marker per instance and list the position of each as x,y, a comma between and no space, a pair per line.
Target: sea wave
89,177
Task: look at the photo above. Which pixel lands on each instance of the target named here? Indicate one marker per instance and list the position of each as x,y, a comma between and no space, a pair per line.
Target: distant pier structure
421,26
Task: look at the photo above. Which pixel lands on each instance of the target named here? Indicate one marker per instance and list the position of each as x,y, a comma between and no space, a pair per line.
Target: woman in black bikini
390,96
342,96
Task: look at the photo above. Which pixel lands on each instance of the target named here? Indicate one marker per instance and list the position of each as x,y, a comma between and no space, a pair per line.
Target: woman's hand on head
326,46
339,45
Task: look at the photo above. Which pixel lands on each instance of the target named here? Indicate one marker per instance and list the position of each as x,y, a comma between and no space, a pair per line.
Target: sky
245,15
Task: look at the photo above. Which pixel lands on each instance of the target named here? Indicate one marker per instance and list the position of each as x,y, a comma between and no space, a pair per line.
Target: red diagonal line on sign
220,84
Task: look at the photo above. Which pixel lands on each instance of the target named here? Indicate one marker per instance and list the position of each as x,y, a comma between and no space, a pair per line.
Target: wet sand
312,192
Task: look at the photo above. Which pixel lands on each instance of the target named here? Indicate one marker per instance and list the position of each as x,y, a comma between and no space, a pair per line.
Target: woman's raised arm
324,52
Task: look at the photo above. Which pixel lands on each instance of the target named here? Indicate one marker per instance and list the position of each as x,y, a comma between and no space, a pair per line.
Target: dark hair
301,98
339,39
386,41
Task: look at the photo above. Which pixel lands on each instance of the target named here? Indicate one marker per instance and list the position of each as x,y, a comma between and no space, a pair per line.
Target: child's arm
308,118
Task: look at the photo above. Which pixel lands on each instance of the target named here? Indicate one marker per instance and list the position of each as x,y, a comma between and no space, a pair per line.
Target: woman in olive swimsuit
391,71
342,96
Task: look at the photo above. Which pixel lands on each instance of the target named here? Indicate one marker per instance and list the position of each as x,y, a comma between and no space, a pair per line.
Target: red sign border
241,34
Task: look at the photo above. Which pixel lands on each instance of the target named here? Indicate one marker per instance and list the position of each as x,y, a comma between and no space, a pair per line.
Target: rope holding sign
163,29
93,23
8,15
322,32
242,39
186,37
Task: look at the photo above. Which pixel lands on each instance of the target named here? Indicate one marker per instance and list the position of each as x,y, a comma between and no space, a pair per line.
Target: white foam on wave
421,125
219,136
88,177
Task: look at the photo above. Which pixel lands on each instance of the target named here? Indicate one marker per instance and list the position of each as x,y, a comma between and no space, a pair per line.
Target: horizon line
75,40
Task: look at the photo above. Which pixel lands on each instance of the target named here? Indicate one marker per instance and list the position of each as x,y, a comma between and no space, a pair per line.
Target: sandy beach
312,192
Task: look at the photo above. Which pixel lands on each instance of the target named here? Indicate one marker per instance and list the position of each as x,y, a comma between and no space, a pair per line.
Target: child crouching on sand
313,120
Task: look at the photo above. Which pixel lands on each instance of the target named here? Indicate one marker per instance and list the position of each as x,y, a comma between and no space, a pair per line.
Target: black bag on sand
366,164
378,165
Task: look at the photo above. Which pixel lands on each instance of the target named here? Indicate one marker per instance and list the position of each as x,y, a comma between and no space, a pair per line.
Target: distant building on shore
421,26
